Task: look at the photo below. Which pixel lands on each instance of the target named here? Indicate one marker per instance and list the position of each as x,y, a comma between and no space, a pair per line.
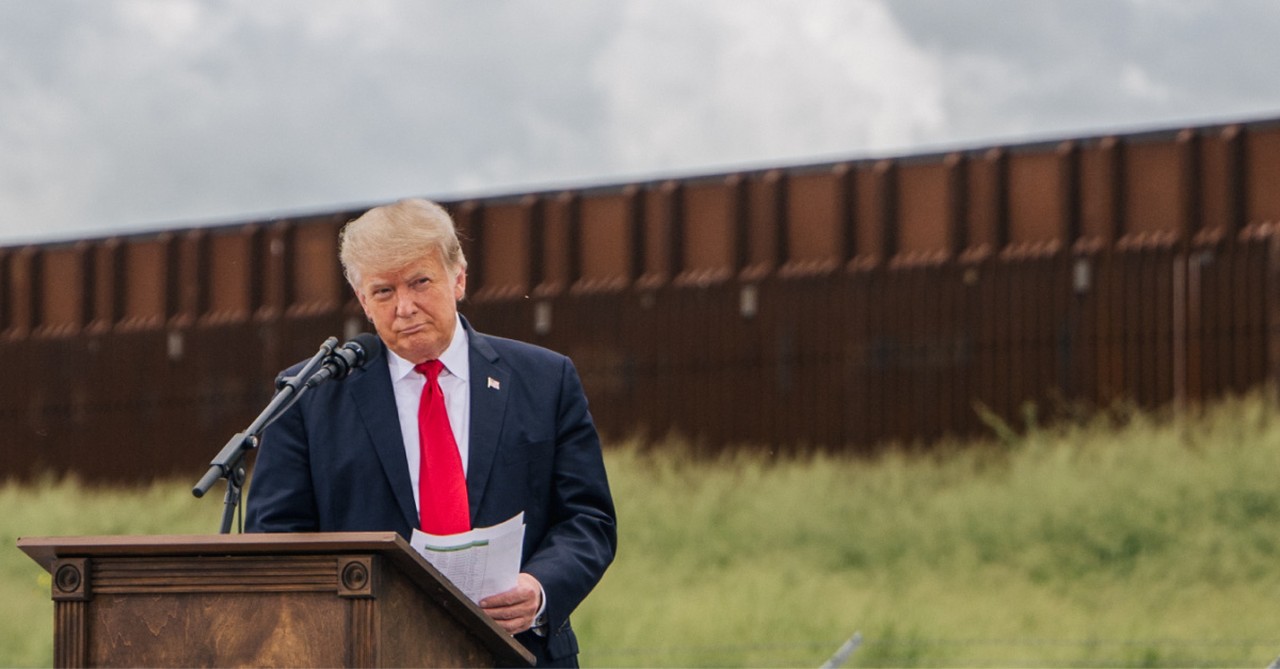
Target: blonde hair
392,236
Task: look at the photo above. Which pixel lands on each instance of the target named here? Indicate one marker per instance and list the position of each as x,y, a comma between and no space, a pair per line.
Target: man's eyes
387,291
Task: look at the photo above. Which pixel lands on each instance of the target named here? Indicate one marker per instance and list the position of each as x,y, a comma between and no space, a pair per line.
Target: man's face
415,307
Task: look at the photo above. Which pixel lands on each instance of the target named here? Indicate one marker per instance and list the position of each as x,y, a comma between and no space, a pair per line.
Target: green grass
1132,540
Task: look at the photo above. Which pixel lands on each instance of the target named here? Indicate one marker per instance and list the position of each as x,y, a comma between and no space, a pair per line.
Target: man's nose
404,304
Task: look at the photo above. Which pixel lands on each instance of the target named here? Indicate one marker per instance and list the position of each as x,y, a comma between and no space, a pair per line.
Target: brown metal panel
924,209
729,399
1271,310
700,312
1018,378
636,327
1039,303
957,178
1218,282
1236,356
271,289
1262,174
231,266
1250,314
1047,323
890,223
1111,331
146,264
468,221
813,391
1078,358
902,373
869,214
1099,210
878,355
873,357
741,371
970,353
538,238
6,300
1162,297
1194,325
764,219
21,301
846,300
1215,187
929,286
1146,301
982,321
1216,309
1035,209
192,270
108,284
63,290
505,236
709,231
1153,178
828,389
659,205
1004,314
984,202
667,353
1070,200
947,347
598,358
316,277
1060,331
606,241
1190,187
814,235
557,221
844,175
1062,319
1138,335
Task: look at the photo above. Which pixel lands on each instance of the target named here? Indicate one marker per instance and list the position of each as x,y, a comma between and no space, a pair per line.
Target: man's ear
460,285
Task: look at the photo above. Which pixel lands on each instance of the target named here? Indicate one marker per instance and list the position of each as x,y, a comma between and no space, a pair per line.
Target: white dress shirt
408,384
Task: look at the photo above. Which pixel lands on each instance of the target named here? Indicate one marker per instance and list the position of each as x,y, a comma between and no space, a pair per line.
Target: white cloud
137,113
734,82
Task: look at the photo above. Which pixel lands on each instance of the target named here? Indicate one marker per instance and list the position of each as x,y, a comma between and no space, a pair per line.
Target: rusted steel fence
837,306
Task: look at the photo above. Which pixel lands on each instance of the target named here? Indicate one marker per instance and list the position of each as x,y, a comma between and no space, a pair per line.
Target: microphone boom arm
229,462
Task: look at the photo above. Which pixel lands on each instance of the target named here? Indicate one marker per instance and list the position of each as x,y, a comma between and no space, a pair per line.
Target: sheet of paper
482,562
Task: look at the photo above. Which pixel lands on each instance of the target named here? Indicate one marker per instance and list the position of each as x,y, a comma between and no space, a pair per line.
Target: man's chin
418,347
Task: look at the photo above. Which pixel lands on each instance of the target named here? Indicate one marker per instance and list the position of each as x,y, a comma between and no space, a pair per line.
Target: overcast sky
128,115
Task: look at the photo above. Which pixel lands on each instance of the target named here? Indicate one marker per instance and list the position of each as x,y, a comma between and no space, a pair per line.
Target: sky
120,116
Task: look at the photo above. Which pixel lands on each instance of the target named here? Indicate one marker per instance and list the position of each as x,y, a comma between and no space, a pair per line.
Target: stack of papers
482,562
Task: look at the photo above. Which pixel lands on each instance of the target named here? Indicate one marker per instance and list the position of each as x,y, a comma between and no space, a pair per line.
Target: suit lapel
370,390
490,386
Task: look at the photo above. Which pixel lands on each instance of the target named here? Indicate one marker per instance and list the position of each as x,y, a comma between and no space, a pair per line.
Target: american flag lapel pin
493,383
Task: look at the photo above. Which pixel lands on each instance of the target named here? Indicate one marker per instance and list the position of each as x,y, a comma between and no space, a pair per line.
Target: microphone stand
229,463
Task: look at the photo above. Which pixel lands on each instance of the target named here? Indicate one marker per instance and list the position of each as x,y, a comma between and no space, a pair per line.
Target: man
375,452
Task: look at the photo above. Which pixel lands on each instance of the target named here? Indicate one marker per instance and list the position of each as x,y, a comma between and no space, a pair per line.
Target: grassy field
1134,540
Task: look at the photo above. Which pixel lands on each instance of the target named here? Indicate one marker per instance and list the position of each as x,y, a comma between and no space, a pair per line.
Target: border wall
839,306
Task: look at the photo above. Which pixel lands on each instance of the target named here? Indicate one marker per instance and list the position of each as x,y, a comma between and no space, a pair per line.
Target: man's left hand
516,608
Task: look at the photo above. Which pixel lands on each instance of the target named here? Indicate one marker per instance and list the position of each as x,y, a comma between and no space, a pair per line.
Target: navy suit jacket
335,462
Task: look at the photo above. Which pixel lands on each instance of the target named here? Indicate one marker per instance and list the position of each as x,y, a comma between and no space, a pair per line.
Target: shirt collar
454,358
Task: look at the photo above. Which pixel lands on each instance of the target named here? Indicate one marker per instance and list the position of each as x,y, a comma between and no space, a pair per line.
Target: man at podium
444,429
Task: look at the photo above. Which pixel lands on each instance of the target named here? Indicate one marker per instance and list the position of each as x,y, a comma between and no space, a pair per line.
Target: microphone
349,357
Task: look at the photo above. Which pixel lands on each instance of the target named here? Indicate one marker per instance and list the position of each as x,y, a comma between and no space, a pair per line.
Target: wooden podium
360,599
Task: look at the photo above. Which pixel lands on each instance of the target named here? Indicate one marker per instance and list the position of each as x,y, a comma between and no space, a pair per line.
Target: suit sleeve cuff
540,619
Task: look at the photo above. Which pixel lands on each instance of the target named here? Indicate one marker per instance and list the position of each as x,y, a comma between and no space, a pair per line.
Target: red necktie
442,487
